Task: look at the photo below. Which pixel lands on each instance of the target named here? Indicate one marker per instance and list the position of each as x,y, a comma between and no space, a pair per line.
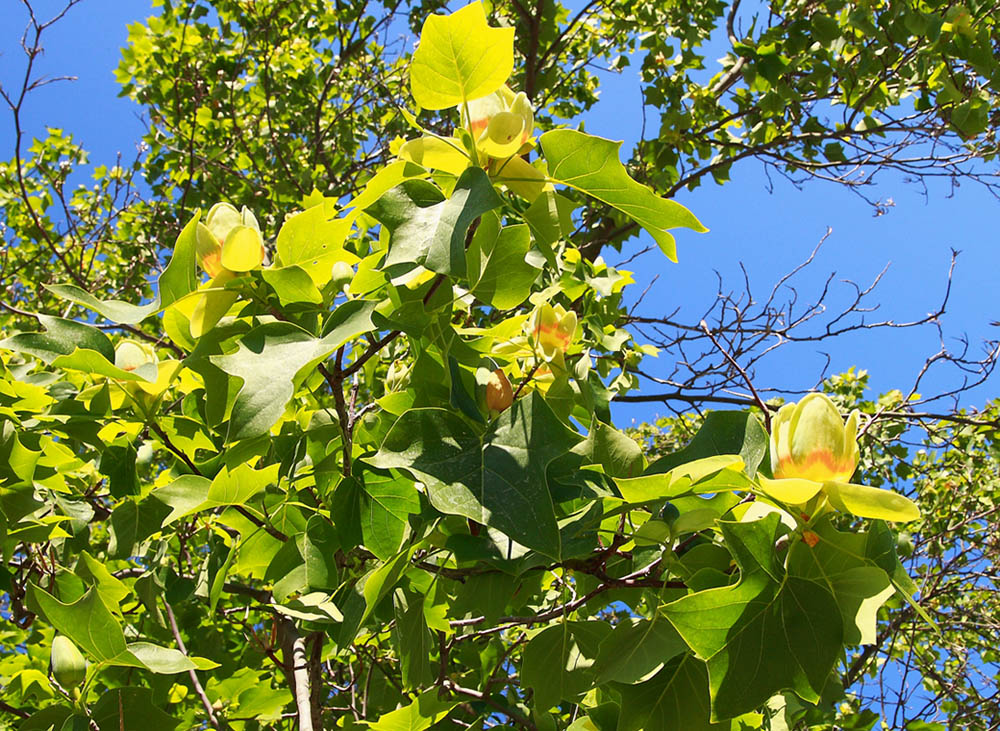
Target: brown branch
198,689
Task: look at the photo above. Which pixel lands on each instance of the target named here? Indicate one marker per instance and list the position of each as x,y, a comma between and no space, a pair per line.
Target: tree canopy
306,413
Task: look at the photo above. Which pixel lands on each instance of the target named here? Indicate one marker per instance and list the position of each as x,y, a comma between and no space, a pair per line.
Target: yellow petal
790,490
243,249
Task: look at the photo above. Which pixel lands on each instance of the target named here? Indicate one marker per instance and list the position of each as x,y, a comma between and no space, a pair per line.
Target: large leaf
271,358
846,564
499,275
557,662
591,165
723,432
177,280
429,229
386,502
676,698
131,708
615,451
86,621
460,57
762,635
636,649
61,337
94,629
497,478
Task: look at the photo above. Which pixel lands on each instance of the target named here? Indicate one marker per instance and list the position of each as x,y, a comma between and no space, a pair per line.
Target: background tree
263,103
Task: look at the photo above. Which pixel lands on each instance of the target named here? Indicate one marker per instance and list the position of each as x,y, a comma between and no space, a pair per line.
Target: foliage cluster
365,473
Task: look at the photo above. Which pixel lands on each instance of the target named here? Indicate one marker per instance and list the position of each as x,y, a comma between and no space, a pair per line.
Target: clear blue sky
769,232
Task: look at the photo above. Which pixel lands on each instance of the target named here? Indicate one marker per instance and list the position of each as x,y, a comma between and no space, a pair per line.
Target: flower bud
809,440
69,667
499,394
343,275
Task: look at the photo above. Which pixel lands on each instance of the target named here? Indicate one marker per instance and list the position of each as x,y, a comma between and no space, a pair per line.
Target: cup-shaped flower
814,451
141,359
131,356
551,331
810,440
229,240
501,122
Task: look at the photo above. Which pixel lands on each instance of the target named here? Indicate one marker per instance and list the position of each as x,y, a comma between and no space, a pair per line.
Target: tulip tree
365,474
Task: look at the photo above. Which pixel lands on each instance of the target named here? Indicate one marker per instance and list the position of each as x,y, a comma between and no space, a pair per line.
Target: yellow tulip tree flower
814,452
228,243
500,125
551,330
141,359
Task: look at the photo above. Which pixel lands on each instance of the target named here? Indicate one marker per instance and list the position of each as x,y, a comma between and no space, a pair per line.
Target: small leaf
426,710
313,240
498,273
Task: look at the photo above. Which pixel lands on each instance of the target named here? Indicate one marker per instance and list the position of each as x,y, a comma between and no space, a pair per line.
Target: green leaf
723,432
846,564
761,635
557,662
497,479
61,337
428,229
710,474
95,573
871,502
676,698
133,522
498,274
616,452
318,547
274,356
131,708
161,660
591,165
312,241
414,640
219,580
292,284
426,710
459,58
386,503
177,280
118,465
86,621
236,487
636,649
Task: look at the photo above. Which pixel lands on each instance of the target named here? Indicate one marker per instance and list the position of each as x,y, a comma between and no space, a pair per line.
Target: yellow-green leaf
591,165
871,502
460,57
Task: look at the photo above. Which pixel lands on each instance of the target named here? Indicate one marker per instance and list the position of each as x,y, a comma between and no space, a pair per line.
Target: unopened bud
499,394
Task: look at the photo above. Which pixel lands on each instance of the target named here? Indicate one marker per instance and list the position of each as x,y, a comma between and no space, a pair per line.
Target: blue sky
769,232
